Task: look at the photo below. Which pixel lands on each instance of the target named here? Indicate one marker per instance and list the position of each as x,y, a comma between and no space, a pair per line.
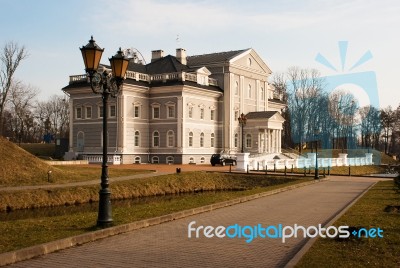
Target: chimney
181,55
157,54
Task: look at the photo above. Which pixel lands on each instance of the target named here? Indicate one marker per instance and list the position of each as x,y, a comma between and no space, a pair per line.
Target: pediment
250,60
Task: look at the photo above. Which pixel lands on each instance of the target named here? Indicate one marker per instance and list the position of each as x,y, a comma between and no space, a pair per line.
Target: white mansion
180,109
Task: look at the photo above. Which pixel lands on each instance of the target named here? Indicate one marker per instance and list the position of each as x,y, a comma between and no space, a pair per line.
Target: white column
265,141
280,141
258,89
269,140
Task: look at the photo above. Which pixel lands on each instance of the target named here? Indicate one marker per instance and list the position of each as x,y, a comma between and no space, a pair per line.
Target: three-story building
180,109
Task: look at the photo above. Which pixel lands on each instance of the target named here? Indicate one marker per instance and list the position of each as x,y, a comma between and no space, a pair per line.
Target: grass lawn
370,211
17,234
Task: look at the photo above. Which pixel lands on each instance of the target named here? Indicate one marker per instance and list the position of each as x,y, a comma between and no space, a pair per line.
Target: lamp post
242,121
316,172
107,85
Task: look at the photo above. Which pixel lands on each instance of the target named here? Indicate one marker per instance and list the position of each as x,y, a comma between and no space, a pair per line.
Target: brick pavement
167,245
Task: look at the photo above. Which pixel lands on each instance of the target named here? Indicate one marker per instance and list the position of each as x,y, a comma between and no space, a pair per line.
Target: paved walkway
168,245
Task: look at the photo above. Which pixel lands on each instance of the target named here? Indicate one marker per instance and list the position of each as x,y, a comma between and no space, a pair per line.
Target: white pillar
242,160
344,158
265,141
280,141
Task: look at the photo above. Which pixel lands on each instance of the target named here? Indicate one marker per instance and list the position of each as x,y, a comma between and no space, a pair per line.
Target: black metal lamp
316,172
242,121
105,84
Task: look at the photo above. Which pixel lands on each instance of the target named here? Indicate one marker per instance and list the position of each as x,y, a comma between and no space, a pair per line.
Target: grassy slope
17,166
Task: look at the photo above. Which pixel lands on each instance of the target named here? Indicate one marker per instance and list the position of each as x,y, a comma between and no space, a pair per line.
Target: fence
263,163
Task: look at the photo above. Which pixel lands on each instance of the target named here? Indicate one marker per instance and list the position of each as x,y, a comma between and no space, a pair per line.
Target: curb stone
38,250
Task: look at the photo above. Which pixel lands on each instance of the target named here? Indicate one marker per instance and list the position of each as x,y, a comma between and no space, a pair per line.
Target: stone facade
180,109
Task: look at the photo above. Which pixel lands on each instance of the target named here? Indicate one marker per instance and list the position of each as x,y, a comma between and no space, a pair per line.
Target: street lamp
316,172
242,121
105,84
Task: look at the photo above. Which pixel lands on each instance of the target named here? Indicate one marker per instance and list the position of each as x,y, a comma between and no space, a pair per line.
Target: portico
267,127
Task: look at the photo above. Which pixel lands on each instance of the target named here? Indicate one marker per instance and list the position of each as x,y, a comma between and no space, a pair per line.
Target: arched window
156,139
137,160
202,139
137,138
262,93
237,88
190,112
80,141
249,91
191,160
236,140
248,141
170,159
212,140
170,138
155,160
202,160
190,139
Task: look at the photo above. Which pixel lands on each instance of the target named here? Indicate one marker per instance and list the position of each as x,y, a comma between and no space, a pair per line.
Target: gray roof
261,115
201,60
167,64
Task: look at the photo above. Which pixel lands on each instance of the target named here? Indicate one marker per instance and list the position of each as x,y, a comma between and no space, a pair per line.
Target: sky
284,33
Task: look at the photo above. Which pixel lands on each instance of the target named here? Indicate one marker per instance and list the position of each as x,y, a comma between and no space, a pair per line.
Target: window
202,139
171,111
249,61
88,112
190,112
80,141
212,139
236,140
136,111
249,92
201,113
137,160
236,115
100,111
78,114
170,138
262,93
237,88
156,139
191,160
156,112
190,139
170,160
137,138
202,160
248,141
113,111
212,115
155,160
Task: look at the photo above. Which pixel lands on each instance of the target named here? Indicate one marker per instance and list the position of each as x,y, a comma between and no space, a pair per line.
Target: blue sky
284,33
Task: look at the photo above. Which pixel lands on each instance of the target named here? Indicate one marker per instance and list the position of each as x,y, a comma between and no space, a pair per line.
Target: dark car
218,159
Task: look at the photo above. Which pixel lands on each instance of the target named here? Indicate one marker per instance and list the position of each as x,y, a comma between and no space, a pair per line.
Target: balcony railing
181,76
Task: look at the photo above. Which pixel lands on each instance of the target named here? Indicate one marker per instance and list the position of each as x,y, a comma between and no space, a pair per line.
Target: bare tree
21,104
388,120
53,115
10,58
304,91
